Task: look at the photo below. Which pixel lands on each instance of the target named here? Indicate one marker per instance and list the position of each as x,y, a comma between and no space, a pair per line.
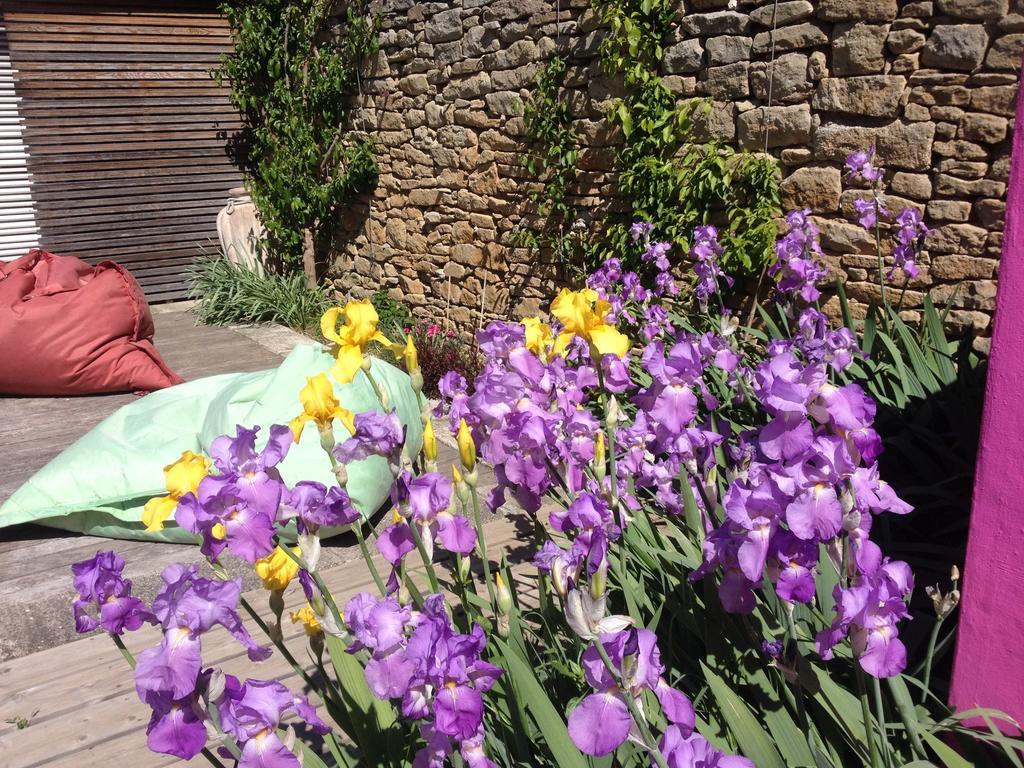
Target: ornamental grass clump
703,586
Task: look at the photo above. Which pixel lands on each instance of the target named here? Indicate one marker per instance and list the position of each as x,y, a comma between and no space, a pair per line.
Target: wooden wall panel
125,129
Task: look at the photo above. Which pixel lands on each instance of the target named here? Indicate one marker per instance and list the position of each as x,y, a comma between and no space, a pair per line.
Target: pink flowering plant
703,586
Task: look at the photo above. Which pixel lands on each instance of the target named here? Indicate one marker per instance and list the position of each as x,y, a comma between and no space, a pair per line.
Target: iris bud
504,596
599,581
461,489
467,449
429,442
600,459
341,474
215,687
463,567
277,603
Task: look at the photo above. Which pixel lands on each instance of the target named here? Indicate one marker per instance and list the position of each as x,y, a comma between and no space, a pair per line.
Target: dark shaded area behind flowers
931,444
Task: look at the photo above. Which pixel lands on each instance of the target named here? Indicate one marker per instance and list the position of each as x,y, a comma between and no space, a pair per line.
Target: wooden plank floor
34,560
79,697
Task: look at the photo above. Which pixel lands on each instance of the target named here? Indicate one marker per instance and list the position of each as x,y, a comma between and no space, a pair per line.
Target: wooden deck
75,696
80,701
34,561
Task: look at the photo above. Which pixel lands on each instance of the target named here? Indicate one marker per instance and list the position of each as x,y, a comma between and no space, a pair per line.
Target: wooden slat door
125,129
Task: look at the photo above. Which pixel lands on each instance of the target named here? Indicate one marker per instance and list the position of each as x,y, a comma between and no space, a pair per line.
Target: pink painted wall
989,666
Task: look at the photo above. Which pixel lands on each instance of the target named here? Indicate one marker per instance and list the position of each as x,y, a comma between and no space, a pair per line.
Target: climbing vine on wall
553,152
666,175
293,75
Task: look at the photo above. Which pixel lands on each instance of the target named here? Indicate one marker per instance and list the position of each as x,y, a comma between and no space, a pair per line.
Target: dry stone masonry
930,84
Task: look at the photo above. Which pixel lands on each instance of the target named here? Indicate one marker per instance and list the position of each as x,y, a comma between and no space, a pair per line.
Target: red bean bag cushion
69,328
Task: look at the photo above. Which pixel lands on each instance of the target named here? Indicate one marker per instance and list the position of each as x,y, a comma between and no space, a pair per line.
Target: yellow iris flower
583,314
181,477
308,619
352,338
539,337
277,570
319,405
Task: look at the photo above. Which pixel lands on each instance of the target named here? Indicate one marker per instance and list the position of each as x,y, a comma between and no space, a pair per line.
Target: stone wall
931,84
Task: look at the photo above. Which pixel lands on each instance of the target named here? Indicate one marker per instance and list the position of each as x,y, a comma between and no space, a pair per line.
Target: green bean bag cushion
100,484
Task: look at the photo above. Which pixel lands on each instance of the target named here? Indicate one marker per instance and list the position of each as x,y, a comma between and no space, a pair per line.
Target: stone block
1005,52
814,188
444,26
966,150
964,239
955,46
790,83
727,49
683,58
914,185
951,186
857,10
990,213
414,85
729,82
786,126
839,236
982,10
858,49
988,129
785,14
870,95
899,145
948,210
717,124
905,41
996,99
793,38
717,23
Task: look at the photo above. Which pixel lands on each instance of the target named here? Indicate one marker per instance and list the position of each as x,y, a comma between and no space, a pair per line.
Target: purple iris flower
859,166
429,505
909,239
868,212
377,434
721,549
705,253
640,230
869,611
497,340
104,596
437,672
186,607
253,474
601,722
798,258
658,254
669,401
314,506
253,711
688,749
792,567
221,516
177,726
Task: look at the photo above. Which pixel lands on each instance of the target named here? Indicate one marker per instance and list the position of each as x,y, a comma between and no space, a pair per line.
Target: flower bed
710,592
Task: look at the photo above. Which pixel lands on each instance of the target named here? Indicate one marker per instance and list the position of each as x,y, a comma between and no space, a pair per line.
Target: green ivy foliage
666,176
552,157
293,73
